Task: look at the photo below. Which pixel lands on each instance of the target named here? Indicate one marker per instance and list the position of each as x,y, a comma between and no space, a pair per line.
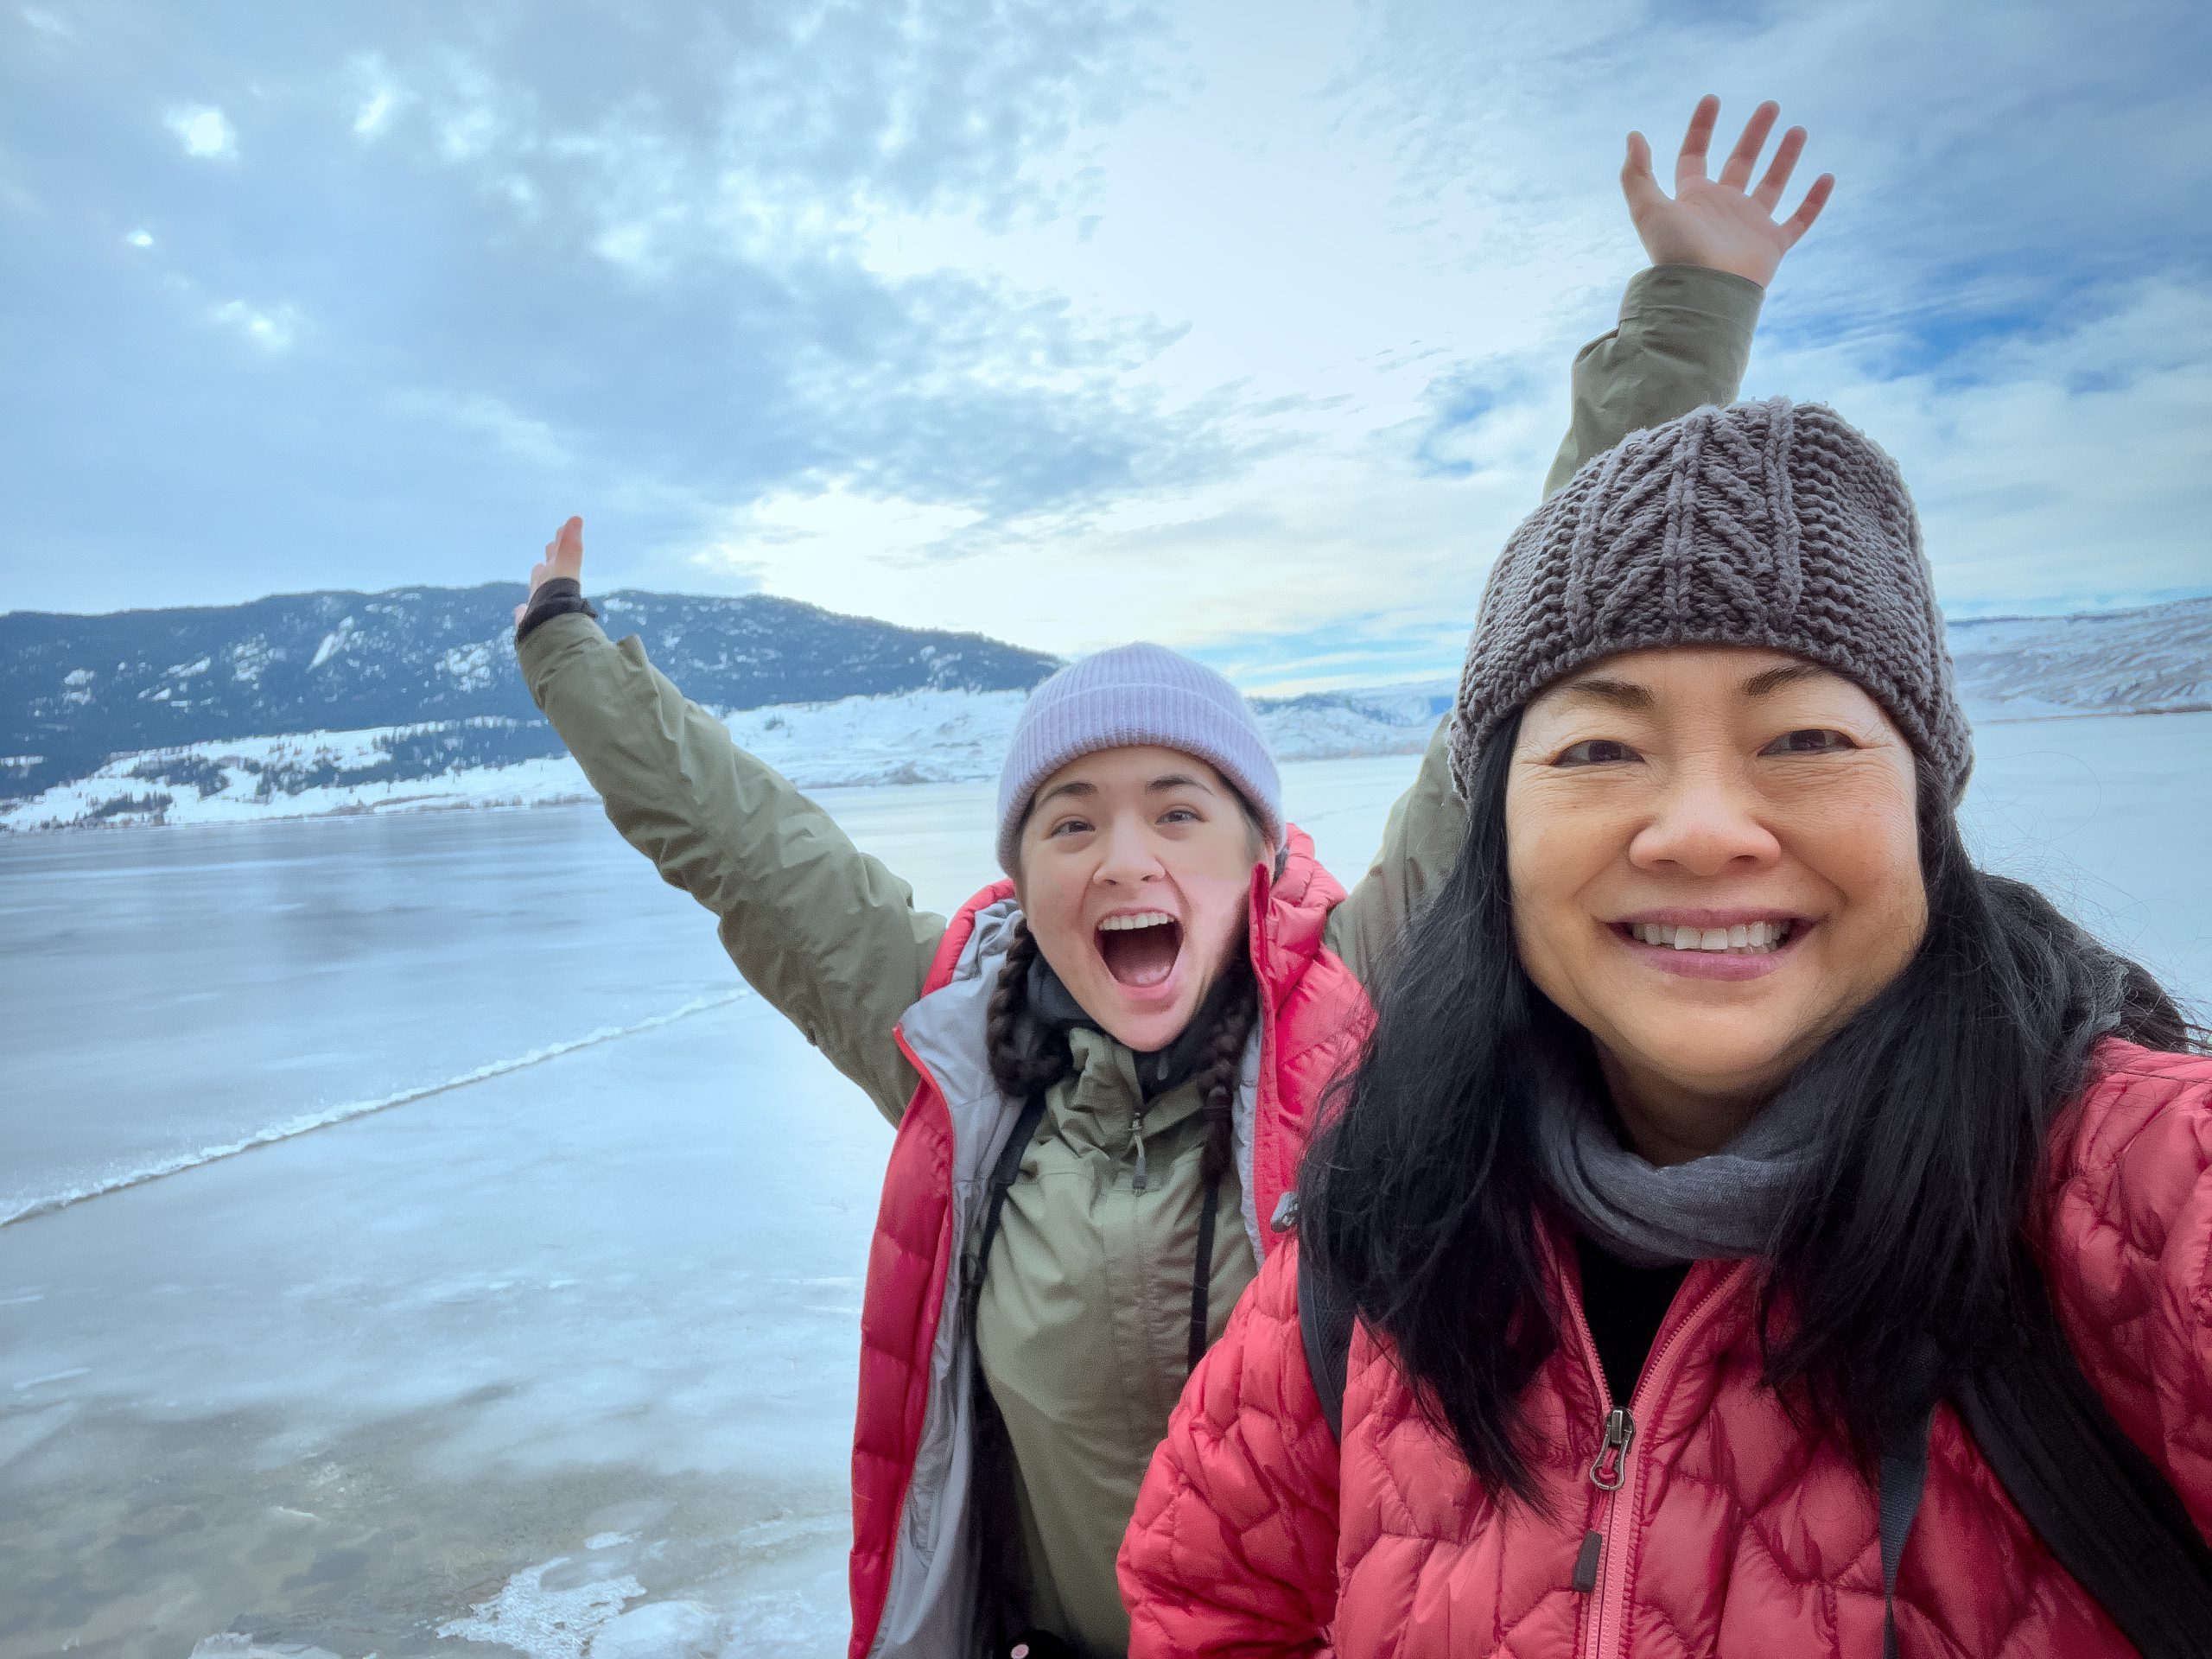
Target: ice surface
591,1317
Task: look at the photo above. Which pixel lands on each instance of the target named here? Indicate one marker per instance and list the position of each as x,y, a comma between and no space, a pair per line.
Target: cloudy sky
1243,326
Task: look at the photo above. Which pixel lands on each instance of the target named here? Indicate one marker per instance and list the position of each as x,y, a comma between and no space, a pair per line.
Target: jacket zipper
1601,1568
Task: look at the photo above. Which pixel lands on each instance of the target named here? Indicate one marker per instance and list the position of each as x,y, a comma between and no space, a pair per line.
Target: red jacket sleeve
1233,1547
2130,1260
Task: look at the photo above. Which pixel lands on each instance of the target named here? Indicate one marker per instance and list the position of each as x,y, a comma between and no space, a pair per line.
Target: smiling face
1714,861
1135,870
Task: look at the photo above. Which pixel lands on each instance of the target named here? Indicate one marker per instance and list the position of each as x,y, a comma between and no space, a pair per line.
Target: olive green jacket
1082,1325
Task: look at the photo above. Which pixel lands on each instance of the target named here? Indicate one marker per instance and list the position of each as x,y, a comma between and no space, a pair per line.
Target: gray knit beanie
1135,695
1772,524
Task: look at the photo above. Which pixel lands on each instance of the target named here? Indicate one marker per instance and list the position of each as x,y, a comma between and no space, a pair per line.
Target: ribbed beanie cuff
1125,698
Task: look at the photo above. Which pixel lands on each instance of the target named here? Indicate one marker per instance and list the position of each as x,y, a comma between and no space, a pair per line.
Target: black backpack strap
1202,1272
1904,1480
2099,1504
1325,1321
1003,1176
999,1607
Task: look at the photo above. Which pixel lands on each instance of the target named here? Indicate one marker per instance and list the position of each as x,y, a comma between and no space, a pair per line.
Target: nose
1705,824
1129,857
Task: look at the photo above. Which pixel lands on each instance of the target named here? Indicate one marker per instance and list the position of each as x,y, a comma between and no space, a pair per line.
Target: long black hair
1900,1252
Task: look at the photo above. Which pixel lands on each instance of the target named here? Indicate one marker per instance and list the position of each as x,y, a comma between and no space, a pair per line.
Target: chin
1721,1064
1147,1031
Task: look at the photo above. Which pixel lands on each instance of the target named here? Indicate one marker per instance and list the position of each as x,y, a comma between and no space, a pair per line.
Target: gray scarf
1723,1206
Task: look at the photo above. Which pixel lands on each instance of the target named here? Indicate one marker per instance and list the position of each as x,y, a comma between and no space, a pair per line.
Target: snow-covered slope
79,692
919,737
2149,661
2158,660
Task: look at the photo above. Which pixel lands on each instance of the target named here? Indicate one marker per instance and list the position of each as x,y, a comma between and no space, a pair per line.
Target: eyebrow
1085,790
1627,694
1789,674
1614,694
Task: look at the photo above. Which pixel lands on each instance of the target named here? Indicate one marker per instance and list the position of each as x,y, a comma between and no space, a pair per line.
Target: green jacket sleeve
1685,334
822,931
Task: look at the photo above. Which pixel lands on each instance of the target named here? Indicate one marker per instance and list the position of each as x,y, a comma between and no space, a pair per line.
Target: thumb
1638,185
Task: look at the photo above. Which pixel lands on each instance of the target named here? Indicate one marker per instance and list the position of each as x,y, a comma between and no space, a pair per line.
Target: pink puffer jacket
1729,1534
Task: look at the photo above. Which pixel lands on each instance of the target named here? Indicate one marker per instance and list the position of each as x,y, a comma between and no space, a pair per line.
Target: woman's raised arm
822,931
1683,339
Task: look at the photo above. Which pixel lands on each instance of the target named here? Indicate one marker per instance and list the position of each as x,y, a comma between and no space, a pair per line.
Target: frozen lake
555,1315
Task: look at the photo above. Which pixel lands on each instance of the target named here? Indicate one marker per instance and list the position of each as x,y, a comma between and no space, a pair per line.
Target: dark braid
1221,1068
1023,1058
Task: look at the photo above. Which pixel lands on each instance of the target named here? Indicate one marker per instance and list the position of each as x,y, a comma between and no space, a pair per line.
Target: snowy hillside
80,691
2154,660
2158,660
920,737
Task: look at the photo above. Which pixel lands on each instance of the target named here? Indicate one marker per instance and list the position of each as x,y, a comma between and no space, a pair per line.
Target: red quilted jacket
1729,1532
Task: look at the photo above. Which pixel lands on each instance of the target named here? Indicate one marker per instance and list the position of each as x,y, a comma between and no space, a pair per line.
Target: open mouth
1744,939
1139,950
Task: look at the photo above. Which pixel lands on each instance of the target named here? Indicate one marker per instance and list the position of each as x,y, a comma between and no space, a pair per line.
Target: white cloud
379,94
140,239
273,330
47,23
205,130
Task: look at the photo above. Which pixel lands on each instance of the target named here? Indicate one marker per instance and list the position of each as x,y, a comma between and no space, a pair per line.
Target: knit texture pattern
1773,524
1134,695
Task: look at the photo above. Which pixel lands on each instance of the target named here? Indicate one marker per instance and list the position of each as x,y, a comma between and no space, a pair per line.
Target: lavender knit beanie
1136,695
1772,524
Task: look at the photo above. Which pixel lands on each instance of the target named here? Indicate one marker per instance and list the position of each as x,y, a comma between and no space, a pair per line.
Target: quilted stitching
1750,1541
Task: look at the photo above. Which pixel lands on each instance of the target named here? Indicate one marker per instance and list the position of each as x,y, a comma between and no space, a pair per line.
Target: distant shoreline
457,796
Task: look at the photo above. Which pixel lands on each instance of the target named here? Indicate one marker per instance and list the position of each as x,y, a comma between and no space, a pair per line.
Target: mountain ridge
76,691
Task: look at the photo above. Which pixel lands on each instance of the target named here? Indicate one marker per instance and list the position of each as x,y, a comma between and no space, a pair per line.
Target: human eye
1181,814
1068,827
1594,752
1812,740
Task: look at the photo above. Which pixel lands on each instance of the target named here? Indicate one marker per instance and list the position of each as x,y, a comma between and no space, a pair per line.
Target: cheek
1050,893
1869,852
1216,889
1552,855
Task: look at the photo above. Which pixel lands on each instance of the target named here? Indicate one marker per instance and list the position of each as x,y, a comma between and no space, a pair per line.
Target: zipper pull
1137,1124
1585,1563
1611,1468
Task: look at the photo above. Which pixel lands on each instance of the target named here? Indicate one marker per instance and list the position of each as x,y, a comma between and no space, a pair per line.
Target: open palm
1718,223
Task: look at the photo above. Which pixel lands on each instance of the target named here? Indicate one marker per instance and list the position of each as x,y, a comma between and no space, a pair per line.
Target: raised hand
1719,224
565,556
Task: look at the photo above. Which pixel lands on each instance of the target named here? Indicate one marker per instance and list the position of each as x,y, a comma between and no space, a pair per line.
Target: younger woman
1104,1068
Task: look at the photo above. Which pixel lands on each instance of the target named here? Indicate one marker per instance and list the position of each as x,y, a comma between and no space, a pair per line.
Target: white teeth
1142,919
1747,939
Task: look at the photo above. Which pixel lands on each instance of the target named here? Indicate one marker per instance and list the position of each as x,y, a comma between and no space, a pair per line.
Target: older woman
1739,1186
